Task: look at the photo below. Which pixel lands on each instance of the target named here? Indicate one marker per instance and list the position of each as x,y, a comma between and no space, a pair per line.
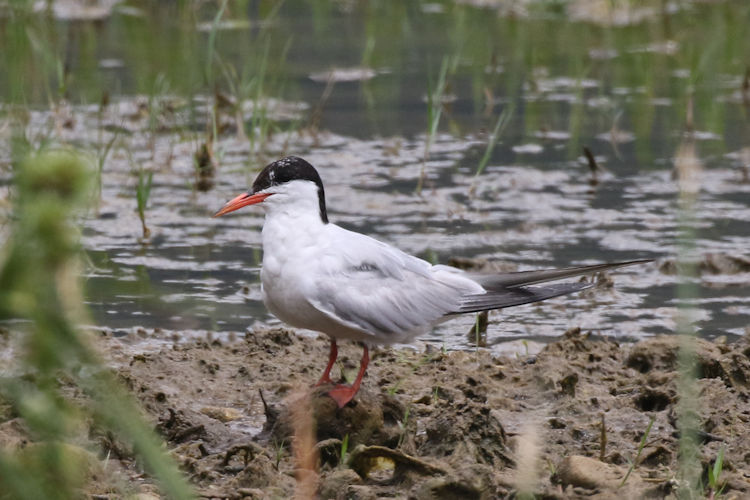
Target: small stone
585,472
364,459
426,399
145,496
260,472
221,414
13,435
251,493
557,423
359,492
338,481
451,487
655,456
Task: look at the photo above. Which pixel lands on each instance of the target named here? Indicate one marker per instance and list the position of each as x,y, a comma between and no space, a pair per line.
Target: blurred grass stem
688,169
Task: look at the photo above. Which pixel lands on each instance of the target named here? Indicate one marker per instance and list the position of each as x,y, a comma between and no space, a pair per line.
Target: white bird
319,276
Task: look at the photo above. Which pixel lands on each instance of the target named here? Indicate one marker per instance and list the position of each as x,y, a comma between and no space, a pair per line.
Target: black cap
287,169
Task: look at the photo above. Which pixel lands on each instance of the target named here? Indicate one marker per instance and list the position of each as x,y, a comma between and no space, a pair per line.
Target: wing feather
387,295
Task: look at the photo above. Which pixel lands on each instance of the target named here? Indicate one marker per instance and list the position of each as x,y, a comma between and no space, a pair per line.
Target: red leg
342,394
326,377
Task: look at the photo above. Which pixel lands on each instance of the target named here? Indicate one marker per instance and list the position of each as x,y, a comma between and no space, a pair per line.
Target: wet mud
563,423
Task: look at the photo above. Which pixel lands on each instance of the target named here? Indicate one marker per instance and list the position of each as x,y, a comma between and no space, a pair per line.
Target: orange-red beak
242,201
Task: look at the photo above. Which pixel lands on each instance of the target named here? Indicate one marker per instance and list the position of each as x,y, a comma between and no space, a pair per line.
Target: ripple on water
197,273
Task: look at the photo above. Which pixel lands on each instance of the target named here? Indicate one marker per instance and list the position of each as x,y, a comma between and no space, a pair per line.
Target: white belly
287,302
288,275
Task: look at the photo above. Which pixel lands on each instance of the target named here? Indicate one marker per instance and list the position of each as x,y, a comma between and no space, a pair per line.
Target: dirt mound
442,425
564,423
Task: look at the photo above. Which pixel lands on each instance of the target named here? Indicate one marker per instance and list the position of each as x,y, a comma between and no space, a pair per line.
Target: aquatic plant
249,81
259,122
211,45
502,121
403,426
280,448
527,463
205,166
478,332
306,459
142,193
102,153
435,97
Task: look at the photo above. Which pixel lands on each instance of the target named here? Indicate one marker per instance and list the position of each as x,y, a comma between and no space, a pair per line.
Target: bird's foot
342,394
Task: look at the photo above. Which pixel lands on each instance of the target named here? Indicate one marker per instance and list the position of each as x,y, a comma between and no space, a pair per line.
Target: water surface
351,87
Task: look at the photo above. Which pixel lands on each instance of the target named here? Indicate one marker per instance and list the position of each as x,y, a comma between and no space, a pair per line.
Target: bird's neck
290,231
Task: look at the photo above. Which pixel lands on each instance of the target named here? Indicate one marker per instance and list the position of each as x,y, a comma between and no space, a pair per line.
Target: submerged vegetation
142,193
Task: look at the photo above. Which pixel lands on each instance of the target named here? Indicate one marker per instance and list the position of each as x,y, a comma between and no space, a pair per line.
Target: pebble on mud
364,459
576,470
221,414
337,482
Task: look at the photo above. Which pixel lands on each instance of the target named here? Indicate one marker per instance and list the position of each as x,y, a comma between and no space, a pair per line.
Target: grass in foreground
38,282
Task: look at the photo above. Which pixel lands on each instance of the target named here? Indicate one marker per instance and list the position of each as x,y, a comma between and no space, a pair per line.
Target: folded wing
394,296
381,291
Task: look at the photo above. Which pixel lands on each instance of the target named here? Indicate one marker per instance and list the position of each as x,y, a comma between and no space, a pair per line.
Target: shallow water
200,273
532,206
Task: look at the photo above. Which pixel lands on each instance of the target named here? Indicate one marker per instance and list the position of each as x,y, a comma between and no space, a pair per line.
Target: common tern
320,276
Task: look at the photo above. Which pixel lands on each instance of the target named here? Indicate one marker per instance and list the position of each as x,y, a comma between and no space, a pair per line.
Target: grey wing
377,290
388,294
391,314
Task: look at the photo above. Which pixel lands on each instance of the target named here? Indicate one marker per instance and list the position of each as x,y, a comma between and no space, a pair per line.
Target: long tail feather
513,289
516,296
503,281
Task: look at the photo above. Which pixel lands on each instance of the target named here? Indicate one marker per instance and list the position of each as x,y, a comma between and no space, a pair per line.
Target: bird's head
288,180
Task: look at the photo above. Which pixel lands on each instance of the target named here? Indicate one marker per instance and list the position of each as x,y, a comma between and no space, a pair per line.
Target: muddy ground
429,424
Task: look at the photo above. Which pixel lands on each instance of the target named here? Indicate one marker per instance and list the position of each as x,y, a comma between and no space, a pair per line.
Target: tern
319,276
